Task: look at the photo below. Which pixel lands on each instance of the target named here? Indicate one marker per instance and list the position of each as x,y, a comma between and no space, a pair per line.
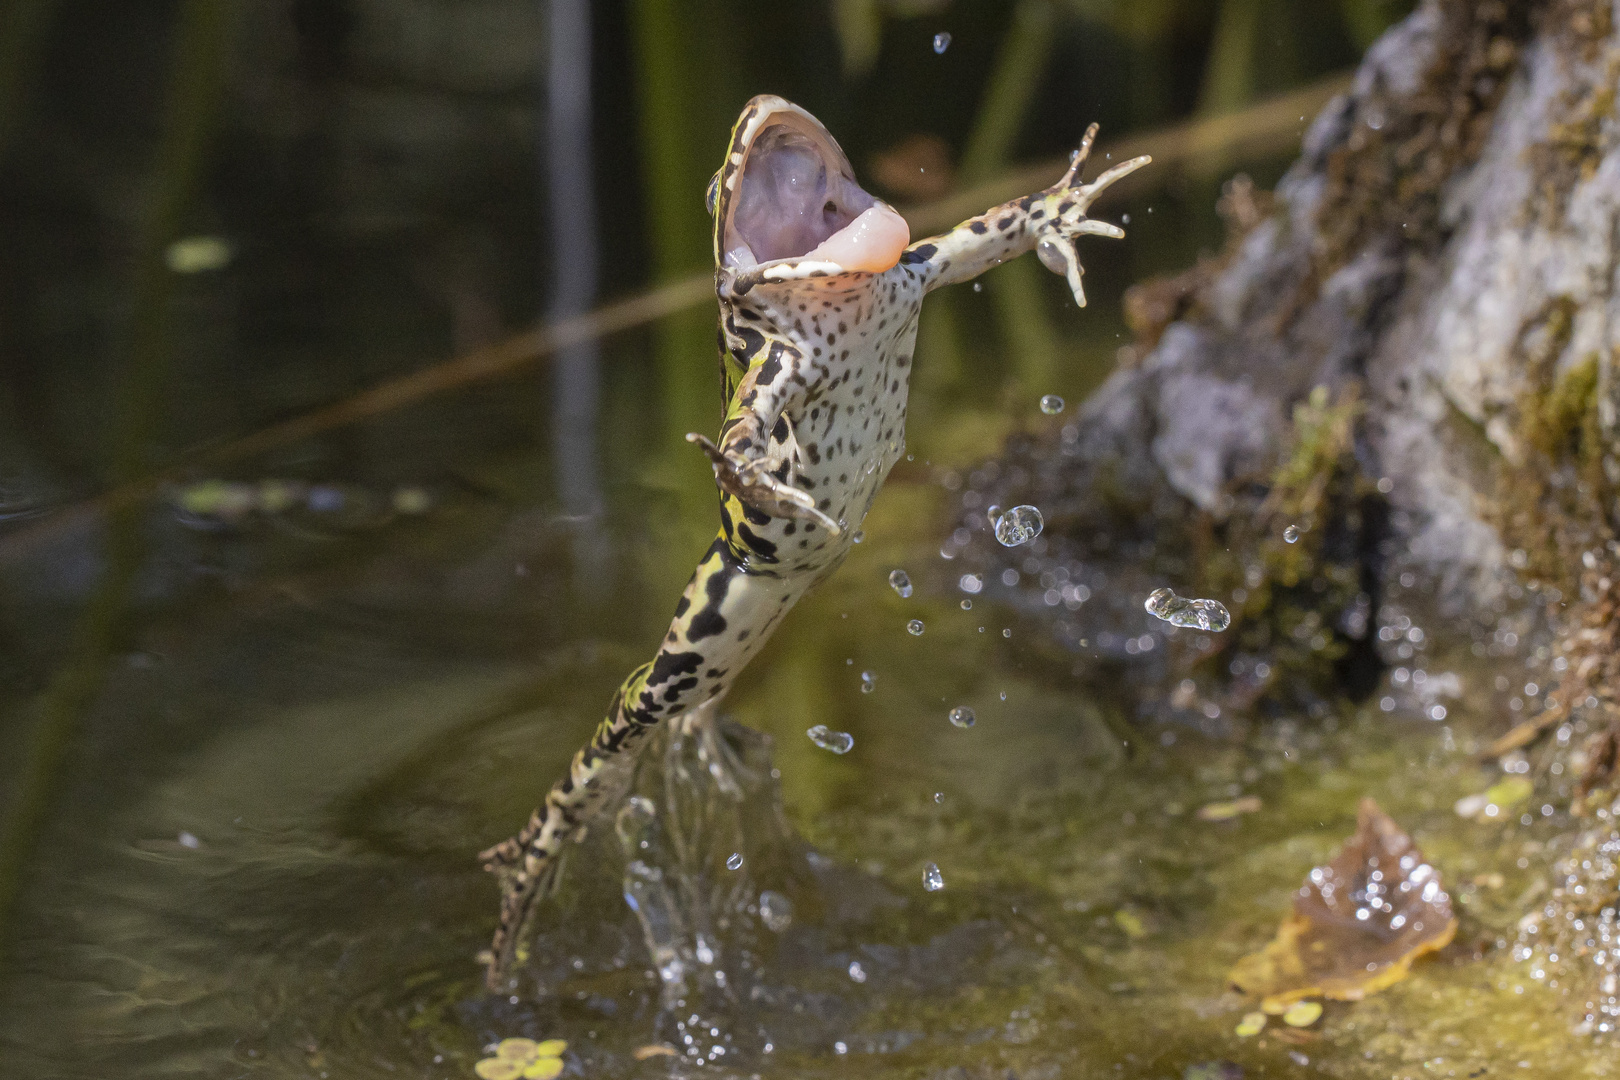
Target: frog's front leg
744,465
1049,221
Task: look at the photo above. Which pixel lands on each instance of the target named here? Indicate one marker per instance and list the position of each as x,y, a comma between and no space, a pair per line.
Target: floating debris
775,910
868,682
1179,611
652,1050
523,1058
1213,1070
411,501
1051,404
734,861
915,627
900,582
1291,534
1357,924
1302,1014
942,41
963,717
1251,1024
1226,811
839,742
1019,525
198,254
1130,924
933,880
1496,800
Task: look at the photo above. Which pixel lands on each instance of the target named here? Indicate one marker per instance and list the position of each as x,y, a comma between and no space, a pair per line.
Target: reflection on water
339,742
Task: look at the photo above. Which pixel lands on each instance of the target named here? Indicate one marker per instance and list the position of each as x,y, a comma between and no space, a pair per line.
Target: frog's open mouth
793,198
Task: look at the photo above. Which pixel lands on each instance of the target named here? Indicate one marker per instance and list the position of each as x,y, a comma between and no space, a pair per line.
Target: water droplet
734,862
856,972
900,582
868,682
839,742
1051,404
939,797
967,605
978,286
776,910
1291,534
1019,525
933,880
915,627
1179,611
860,534
942,41
963,717
187,840
1051,256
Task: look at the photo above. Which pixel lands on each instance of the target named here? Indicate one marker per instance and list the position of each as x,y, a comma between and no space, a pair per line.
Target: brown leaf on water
652,1050
1358,922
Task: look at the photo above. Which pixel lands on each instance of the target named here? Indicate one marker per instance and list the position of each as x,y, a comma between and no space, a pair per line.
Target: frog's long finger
1077,160
792,502
1087,193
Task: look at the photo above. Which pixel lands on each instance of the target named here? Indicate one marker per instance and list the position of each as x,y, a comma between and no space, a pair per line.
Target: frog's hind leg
724,616
529,864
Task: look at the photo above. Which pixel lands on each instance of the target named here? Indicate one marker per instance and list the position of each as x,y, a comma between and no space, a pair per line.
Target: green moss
1288,593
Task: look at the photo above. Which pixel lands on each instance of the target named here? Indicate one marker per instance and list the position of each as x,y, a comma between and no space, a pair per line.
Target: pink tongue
871,242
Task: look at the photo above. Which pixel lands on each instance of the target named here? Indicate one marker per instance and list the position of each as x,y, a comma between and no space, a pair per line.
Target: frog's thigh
738,611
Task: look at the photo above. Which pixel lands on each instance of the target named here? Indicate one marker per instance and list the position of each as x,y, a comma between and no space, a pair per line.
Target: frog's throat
788,206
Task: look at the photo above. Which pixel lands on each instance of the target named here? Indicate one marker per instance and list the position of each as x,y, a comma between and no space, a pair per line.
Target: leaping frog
819,290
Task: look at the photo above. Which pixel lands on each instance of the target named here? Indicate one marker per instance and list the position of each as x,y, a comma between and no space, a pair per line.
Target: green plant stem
201,41
1016,290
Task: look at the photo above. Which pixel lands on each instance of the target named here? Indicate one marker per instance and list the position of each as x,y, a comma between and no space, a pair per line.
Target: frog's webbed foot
1066,203
527,876
749,479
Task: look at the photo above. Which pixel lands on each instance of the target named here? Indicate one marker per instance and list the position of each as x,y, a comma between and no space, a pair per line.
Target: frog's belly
847,441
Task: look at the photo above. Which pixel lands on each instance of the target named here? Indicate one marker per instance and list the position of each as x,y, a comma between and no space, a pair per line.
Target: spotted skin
815,363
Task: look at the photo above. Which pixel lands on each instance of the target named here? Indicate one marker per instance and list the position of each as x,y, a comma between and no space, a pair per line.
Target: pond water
267,864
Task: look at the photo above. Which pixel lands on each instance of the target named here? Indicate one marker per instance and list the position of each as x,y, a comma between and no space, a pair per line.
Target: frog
819,289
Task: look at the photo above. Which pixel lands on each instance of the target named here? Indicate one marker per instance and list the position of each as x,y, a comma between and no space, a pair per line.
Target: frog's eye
713,196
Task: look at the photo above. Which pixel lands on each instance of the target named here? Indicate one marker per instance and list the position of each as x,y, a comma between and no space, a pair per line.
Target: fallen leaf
517,1049
1358,922
642,1053
1303,1014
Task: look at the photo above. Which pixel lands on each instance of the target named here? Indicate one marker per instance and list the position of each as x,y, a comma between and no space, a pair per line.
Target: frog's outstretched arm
1049,221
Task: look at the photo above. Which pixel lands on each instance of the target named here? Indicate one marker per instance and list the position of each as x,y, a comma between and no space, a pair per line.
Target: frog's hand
1064,219
751,481
1050,220
778,376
